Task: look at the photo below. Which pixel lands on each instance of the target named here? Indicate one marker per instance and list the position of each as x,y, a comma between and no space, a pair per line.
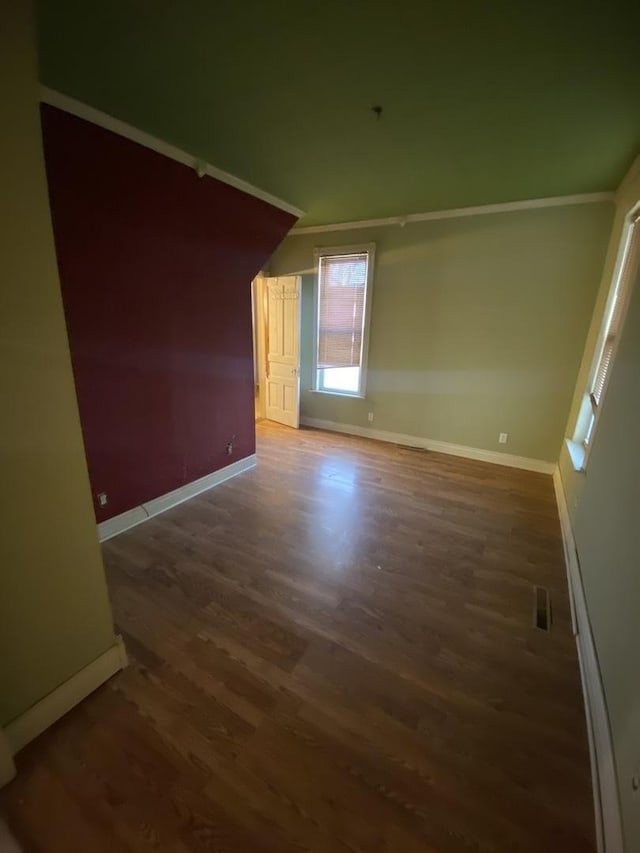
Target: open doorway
276,347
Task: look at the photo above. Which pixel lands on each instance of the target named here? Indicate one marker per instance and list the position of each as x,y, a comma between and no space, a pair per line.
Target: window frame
581,443
333,251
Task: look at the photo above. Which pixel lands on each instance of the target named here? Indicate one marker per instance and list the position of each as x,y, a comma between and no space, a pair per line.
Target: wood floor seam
333,653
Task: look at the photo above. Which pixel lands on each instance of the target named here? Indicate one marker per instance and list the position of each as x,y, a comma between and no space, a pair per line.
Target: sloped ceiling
483,102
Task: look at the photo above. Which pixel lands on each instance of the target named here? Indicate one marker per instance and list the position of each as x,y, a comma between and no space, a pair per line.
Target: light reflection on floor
337,479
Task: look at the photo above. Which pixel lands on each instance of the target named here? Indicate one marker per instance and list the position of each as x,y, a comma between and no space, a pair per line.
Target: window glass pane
341,304
624,276
587,438
613,322
342,298
346,379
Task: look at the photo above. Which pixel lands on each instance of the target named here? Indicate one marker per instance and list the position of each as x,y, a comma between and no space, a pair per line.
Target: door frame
262,319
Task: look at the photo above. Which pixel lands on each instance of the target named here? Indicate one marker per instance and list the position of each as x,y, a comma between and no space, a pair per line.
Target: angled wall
156,267
54,610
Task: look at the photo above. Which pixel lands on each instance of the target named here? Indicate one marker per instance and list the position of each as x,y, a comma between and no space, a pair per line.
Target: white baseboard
609,835
23,729
132,517
7,765
477,453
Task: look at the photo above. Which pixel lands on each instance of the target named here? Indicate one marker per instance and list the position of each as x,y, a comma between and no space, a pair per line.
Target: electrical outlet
230,448
102,499
502,438
370,417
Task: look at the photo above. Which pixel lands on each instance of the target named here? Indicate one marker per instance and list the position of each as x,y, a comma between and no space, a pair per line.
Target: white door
283,350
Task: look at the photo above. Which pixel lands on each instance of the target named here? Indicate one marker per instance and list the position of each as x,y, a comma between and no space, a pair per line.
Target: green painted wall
54,611
478,325
604,504
483,102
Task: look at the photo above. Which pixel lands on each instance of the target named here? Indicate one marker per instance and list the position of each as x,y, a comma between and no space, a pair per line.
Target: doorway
276,345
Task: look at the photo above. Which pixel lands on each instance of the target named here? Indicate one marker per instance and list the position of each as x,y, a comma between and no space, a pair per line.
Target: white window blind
613,326
342,283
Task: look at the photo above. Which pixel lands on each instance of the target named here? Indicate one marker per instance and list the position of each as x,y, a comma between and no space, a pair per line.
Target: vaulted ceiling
482,100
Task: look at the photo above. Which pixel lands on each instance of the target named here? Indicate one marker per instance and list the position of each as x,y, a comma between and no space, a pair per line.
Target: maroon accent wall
155,266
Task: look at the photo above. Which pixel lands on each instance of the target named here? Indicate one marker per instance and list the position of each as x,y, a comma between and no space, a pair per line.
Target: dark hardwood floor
333,652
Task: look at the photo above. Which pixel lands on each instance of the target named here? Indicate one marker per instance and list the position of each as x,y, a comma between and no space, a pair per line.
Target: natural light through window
342,321
626,269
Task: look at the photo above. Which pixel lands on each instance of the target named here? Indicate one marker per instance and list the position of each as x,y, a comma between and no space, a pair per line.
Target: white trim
132,517
477,453
108,122
44,713
609,835
337,393
120,523
7,764
457,213
589,417
577,454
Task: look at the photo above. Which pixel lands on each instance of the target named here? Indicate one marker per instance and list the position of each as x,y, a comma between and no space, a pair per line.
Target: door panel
283,350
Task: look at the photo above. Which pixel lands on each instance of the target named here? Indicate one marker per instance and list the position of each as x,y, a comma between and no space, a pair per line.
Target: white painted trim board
457,213
132,517
608,819
24,728
108,122
496,458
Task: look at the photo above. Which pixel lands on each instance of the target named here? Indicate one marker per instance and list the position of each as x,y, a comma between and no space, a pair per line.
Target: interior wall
156,267
478,325
54,610
604,504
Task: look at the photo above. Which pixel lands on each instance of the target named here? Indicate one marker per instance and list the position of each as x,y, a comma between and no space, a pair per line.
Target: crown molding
108,122
457,213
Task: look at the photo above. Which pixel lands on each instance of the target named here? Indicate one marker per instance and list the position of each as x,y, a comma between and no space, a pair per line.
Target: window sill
577,454
338,394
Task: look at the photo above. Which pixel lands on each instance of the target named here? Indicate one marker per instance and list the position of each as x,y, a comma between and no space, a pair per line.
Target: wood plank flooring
333,652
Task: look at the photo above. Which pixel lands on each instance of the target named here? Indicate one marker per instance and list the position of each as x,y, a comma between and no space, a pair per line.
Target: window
342,319
625,271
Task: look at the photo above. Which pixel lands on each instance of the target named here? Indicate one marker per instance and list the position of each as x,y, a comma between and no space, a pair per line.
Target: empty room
321,390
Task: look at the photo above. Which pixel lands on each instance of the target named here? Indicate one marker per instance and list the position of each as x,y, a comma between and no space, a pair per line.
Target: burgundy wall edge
155,266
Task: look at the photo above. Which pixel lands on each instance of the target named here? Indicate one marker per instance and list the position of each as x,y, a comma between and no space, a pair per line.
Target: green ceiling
483,100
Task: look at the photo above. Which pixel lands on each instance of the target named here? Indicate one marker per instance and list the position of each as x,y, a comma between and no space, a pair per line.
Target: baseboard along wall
132,517
609,833
24,728
608,816
508,459
28,725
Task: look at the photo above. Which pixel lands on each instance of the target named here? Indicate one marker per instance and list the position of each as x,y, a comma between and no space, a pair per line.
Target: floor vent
541,608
